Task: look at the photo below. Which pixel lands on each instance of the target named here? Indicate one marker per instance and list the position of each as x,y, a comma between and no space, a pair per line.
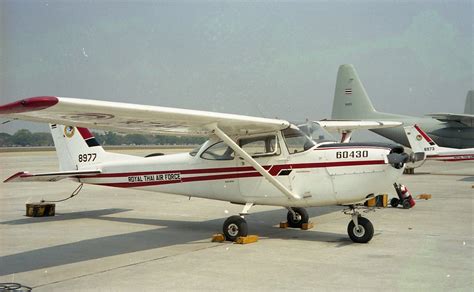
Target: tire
365,232
298,222
394,202
234,227
406,204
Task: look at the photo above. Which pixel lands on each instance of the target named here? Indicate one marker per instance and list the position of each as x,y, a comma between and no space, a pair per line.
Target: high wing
346,127
127,117
342,126
465,119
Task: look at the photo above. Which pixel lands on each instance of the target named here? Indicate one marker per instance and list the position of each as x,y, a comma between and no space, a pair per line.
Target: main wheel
234,227
298,220
406,204
362,233
394,202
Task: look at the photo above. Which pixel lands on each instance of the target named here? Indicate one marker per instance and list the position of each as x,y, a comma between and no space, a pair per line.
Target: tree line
25,137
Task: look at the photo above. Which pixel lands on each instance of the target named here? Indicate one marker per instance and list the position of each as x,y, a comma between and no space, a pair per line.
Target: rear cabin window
218,151
297,141
260,146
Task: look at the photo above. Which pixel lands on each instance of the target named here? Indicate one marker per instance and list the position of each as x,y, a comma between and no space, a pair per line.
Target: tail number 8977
352,154
87,157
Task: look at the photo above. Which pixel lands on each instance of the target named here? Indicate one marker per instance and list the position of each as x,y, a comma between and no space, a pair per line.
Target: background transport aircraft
421,142
351,102
247,160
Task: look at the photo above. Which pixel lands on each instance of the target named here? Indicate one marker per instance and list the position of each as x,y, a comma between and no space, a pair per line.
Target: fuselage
323,174
445,134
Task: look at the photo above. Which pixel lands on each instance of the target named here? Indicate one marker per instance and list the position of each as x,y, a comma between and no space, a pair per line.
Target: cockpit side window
218,151
260,146
297,141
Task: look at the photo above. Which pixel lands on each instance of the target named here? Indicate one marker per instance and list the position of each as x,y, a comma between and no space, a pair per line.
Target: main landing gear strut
236,226
360,229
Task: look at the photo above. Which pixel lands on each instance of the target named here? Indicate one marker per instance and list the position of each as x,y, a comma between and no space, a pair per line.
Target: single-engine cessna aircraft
420,142
247,160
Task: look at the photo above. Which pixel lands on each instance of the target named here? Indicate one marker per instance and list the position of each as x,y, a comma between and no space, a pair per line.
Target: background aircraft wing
127,117
465,119
350,125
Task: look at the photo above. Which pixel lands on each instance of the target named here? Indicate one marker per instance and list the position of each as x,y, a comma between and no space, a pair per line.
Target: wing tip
29,104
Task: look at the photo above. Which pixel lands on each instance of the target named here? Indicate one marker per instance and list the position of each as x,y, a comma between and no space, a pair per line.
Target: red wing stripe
29,105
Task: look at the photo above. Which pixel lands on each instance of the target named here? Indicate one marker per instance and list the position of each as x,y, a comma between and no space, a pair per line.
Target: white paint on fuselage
317,175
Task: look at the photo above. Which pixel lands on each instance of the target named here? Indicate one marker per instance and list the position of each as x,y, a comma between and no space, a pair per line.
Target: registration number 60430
352,154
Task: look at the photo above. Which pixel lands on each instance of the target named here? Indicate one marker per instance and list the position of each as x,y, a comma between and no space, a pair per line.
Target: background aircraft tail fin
351,101
469,107
420,141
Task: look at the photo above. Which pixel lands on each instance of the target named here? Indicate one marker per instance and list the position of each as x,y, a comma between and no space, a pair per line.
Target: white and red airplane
247,160
420,142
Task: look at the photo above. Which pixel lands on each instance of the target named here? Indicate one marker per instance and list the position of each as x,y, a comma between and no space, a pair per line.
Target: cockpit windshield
297,141
196,150
316,132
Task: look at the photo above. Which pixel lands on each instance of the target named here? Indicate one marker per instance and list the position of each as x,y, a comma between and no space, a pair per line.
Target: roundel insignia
69,131
418,137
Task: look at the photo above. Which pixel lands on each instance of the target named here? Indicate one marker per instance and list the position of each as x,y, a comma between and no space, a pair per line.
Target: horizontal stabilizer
24,176
465,119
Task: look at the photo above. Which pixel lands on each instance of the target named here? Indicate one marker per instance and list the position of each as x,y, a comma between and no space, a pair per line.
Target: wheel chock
424,196
409,171
247,239
40,209
284,224
219,237
307,226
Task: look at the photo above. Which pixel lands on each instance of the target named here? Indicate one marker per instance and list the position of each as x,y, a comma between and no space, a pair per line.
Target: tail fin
420,141
76,148
351,101
469,107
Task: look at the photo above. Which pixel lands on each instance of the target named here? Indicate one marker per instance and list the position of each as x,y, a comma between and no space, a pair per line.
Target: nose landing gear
360,229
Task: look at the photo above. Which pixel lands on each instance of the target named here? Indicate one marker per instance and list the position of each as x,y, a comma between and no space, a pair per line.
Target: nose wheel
360,229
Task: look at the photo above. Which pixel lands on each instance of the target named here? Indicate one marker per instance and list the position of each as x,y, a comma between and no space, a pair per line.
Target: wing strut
254,163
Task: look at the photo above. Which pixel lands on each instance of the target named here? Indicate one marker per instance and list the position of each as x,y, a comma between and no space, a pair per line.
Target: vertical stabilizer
351,101
420,141
350,98
76,148
469,107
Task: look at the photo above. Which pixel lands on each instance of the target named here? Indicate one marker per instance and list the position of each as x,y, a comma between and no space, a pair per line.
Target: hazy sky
272,59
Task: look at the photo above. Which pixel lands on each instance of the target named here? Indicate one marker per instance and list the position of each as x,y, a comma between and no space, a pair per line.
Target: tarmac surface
109,239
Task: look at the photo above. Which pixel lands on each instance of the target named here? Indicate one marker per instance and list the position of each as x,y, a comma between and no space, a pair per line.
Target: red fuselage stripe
243,172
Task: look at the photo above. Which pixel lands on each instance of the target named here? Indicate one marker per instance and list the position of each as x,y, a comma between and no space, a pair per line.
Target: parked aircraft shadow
469,178
167,233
